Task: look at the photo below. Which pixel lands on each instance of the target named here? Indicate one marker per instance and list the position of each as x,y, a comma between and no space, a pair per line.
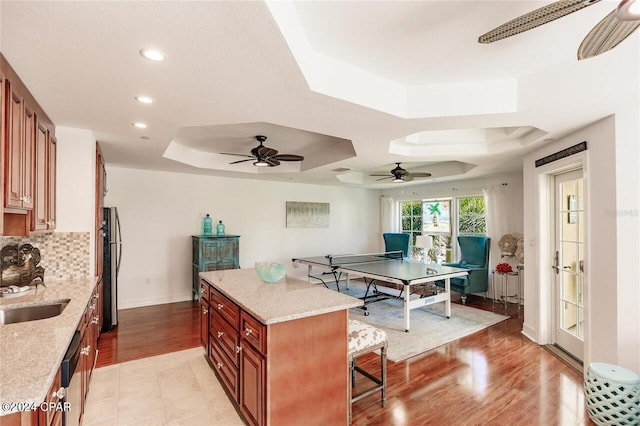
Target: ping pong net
348,259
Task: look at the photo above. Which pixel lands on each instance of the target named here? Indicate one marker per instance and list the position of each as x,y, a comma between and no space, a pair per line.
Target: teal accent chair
395,242
474,256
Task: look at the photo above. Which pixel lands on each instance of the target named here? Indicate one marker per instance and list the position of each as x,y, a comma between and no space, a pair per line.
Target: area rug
429,327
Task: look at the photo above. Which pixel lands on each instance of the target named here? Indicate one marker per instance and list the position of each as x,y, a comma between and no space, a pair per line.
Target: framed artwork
307,215
436,217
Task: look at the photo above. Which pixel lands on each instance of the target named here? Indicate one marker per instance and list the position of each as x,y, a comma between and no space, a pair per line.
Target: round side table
612,395
504,276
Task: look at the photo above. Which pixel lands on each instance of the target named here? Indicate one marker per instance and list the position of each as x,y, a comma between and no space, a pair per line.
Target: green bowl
270,272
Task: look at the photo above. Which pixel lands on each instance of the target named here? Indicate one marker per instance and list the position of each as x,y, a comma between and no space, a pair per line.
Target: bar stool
363,339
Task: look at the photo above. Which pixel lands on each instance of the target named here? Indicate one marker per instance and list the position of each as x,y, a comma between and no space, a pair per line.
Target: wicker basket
612,395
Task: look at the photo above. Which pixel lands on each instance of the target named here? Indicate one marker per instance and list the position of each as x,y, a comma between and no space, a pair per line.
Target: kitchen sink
32,313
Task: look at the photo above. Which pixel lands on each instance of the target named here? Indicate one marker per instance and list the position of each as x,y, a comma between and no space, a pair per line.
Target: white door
568,262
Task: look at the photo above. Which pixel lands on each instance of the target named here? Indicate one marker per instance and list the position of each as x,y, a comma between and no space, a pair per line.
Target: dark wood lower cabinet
252,385
283,373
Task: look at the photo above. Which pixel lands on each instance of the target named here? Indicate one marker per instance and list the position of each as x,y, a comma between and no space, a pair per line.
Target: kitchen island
279,350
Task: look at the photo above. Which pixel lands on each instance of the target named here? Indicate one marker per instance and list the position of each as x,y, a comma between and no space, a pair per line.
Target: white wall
159,211
75,180
611,278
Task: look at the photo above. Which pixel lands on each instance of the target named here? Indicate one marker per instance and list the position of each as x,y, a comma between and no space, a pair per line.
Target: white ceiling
388,81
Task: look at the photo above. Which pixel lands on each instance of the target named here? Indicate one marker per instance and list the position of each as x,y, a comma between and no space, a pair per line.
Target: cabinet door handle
238,349
95,320
58,394
248,331
205,311
220,306
220,333
219,365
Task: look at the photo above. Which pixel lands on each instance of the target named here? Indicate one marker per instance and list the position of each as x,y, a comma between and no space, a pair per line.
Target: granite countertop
31,352
290,298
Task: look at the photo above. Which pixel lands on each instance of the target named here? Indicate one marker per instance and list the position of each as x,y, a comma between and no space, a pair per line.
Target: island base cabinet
310,356
252,386
286,373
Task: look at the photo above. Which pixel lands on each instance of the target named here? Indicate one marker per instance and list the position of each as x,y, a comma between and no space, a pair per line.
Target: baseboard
565,357
529,332
161,300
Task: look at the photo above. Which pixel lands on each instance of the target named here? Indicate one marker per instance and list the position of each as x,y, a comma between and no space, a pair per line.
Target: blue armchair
396,242
474,256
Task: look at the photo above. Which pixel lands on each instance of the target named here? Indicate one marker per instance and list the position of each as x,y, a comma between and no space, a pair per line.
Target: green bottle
207,227
220,228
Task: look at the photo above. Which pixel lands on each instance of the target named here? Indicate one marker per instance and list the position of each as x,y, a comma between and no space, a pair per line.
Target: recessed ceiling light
144,137
144,99
140,125
152,54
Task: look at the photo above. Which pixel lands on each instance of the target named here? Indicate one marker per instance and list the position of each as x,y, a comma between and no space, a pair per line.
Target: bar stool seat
364,338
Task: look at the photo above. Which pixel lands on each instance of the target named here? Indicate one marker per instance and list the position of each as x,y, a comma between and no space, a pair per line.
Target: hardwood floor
150,331
493,377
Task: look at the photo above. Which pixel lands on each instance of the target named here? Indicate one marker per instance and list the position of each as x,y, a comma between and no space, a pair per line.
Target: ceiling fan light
261,163
628,10
397,180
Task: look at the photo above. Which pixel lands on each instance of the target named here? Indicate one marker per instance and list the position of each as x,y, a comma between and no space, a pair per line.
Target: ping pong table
389,267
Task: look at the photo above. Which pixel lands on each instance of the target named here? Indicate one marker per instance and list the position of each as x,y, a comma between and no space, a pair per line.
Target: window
469,216
411,223
472,216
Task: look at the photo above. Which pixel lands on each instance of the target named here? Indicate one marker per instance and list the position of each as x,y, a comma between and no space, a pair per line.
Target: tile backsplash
64,255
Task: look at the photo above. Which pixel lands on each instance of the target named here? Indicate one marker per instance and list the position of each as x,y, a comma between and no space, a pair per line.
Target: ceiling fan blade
271,162
287,157
238,155
407,178
388,177
242,161
534,19
381,174
263,151
606,35
420,175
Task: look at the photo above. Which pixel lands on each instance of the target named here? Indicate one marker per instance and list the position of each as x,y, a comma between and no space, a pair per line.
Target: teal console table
213,253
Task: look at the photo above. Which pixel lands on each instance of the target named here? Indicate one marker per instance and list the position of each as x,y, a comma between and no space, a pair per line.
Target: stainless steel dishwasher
72,381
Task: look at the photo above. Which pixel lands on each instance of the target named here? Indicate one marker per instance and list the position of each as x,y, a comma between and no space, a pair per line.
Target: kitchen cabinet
258,363
39,216
213,253
51,194
28,159
53,417
2,152
204,317
20,143
43,217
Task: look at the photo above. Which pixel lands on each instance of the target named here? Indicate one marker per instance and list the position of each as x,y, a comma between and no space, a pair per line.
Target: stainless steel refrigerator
112,251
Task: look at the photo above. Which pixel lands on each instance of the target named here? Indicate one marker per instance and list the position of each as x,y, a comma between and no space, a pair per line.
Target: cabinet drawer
225,307
228,373
254,332
204,290
226,337
52,397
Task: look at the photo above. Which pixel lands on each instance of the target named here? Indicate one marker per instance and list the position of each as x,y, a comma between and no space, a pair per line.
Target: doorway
568,262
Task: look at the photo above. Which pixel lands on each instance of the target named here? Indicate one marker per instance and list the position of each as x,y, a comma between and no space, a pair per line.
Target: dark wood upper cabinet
51,184
14,149
39,222
27,160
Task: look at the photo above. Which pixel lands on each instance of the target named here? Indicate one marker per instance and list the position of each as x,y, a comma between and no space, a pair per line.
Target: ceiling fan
398,174
264,156
607,34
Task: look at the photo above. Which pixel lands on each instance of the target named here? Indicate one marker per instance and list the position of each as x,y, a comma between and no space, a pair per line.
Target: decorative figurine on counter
20,266
207,225
220,228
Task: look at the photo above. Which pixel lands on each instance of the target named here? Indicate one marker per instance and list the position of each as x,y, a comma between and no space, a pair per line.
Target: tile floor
178,388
